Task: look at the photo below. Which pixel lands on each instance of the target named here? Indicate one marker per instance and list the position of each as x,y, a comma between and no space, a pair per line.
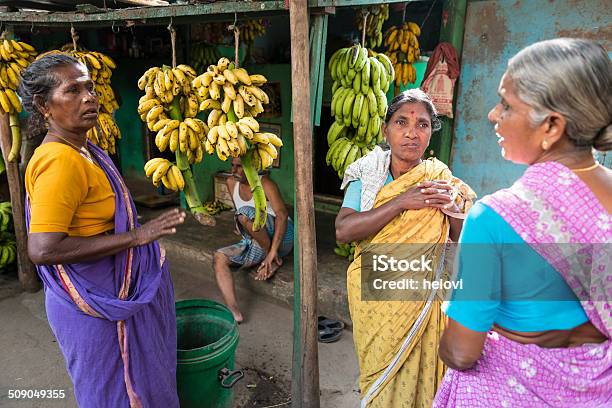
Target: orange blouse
68,193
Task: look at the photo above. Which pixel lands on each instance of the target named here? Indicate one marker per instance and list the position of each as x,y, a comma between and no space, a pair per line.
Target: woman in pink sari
532,326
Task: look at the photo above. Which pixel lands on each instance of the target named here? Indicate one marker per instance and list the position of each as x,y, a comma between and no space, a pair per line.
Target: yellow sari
397,341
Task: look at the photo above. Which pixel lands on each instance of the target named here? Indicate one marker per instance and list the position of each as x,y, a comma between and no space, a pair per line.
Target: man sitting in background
264,247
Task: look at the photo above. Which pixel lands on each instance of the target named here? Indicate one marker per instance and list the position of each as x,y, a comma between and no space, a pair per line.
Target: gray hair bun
603,140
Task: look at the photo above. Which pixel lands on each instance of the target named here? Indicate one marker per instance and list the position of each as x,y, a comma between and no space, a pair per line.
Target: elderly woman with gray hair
397,203
532,326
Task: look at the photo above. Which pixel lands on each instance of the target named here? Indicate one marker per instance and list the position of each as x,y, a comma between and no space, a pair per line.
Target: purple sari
114,318
548,204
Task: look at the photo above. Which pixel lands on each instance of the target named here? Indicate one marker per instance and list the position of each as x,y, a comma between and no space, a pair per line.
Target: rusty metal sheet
494,32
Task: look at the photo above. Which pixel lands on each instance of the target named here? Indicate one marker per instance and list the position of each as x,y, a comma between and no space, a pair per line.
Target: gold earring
544,145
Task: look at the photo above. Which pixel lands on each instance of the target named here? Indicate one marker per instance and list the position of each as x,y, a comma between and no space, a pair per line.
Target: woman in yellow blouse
108,293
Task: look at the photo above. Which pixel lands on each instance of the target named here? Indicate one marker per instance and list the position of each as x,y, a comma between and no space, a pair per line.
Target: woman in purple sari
108,292
533,323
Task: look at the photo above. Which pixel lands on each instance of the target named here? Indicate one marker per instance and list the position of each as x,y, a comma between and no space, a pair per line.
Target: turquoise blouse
507,282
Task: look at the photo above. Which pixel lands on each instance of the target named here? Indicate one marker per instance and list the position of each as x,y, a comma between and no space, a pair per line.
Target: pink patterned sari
549,204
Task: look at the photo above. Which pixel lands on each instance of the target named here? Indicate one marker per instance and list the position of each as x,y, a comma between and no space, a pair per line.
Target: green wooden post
451,31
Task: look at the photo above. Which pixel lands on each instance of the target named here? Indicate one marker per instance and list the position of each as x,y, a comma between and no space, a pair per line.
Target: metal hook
170,28
113,28
235,18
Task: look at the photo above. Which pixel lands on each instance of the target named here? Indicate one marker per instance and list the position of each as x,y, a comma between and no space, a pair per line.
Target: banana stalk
16,133
191,193
259,196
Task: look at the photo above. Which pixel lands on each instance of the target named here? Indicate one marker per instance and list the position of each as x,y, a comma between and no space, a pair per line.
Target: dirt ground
30,357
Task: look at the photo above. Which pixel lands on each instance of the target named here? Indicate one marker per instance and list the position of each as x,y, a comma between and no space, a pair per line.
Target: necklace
591,167
82,150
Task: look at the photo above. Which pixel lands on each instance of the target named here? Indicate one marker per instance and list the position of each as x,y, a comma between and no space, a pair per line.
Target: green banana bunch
359,104
8,250
377,15
6,214
344,151
345,250
15,56
203,55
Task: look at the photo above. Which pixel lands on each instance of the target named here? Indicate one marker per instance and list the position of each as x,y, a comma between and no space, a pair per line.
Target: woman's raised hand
163,225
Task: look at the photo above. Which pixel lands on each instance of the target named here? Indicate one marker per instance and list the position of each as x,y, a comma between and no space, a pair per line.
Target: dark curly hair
40,79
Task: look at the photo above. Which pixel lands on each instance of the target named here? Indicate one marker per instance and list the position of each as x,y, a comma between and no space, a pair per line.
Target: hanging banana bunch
359,104
251,29
403,49
100,68
233,99
169,108
203,55
15,56
8,246
376,16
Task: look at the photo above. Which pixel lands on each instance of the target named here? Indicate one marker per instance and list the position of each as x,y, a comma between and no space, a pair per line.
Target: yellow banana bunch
215,207
233,100
403,49
100,67
203,55
251,29
105,133
187,135
169,107
359,101
377,15
15,56
162,170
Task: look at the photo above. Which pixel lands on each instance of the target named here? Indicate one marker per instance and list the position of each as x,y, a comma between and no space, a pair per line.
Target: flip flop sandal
330,323
327,335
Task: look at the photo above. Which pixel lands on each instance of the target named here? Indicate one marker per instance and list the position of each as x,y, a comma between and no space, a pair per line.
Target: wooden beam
352,3
25,269
305,387
160,14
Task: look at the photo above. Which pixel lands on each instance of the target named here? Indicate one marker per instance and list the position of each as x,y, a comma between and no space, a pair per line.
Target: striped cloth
247,252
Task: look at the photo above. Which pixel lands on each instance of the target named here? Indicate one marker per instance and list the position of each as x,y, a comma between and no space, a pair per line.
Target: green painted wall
283,176
131,146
